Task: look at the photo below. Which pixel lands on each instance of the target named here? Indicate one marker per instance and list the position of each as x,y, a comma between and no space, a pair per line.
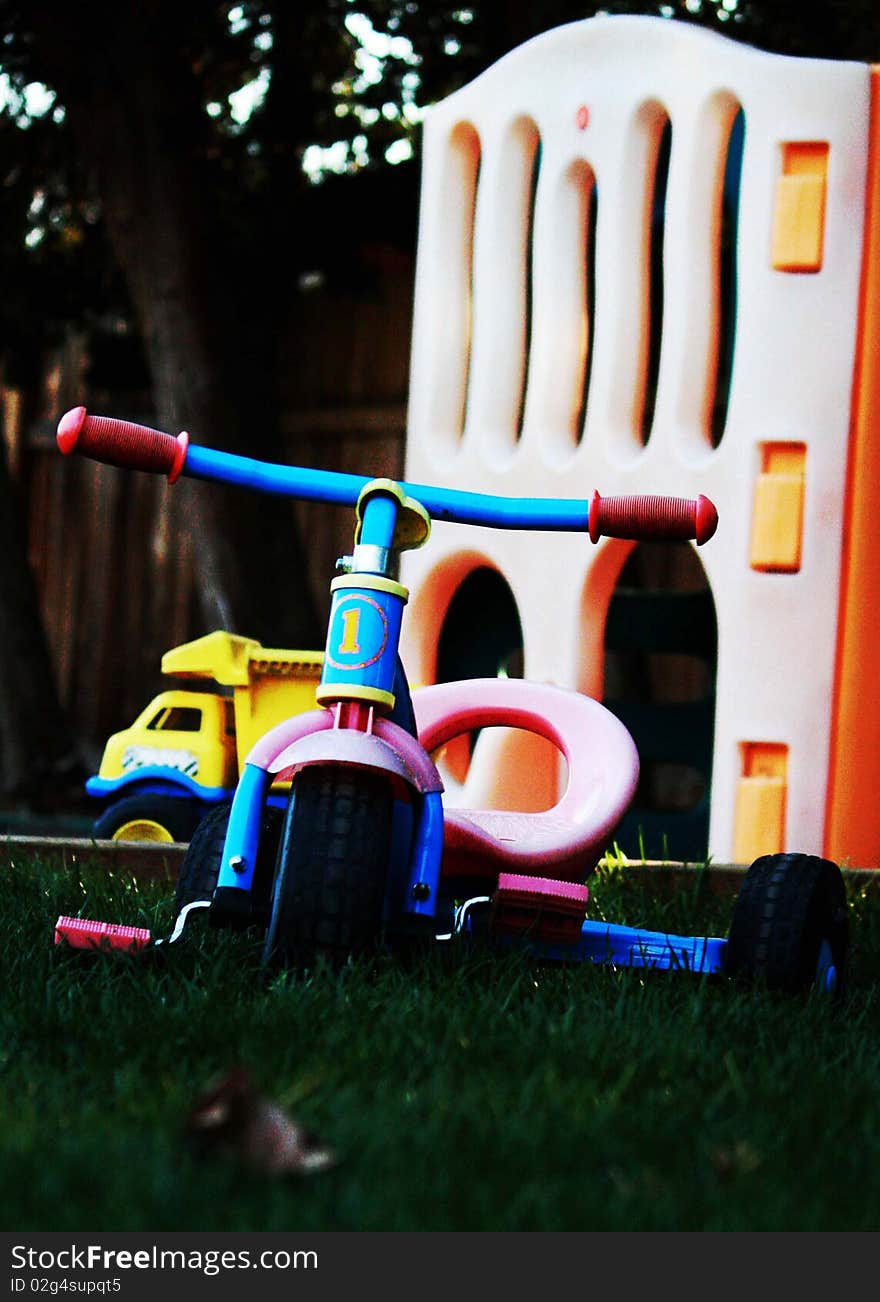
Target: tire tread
787,905
332,868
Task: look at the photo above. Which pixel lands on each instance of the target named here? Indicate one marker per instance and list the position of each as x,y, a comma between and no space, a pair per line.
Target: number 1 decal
358,633
351,620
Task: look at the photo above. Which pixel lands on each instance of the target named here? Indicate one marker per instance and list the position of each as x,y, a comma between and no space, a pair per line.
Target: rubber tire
788,905
332,868
179,816
201,863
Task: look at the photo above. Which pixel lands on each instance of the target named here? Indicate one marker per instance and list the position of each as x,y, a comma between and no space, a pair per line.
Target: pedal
86,933
538,908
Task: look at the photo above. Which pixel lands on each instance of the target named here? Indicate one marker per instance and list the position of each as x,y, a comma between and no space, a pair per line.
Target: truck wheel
332,868
789,927
148,818
201,863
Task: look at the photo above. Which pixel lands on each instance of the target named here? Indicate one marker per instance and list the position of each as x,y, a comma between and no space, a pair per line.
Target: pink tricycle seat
564,842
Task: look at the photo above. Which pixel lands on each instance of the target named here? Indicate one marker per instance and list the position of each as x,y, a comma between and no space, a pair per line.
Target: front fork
233,902
422,879
414,876
358,679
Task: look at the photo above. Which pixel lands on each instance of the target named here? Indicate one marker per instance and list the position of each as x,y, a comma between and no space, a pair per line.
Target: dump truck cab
188,736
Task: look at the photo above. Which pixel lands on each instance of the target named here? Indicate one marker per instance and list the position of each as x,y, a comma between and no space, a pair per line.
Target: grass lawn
461,1091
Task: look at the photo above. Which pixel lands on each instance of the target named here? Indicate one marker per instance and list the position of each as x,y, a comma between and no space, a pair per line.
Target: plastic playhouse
649,256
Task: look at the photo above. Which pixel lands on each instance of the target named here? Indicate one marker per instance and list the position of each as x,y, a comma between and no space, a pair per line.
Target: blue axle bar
620,946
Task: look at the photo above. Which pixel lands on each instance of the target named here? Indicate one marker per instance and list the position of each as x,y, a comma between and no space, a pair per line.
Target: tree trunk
133,107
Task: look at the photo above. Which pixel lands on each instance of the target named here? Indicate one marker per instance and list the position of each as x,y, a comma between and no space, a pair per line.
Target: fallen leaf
234,1120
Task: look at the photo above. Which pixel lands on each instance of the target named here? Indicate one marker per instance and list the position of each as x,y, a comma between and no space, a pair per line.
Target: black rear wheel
332,868
789,927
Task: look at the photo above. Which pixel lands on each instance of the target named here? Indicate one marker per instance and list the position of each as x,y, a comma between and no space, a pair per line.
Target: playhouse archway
470,627
659,669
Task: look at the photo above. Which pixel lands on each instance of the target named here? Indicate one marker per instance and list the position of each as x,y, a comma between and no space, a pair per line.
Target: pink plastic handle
644,517
122,443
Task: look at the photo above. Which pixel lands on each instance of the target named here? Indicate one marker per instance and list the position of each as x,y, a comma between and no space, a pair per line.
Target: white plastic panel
792,369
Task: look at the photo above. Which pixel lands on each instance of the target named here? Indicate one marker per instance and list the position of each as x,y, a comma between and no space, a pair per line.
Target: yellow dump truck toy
182,755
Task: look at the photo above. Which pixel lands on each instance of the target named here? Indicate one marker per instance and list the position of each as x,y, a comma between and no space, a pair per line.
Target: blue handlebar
636,517
344,490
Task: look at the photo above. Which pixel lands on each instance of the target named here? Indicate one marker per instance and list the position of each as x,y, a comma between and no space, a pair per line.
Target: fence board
114,564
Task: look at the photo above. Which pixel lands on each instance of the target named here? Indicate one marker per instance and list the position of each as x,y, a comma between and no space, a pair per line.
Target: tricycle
365,853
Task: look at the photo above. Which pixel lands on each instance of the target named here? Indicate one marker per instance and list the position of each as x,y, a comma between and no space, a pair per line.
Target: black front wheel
332,868
789,928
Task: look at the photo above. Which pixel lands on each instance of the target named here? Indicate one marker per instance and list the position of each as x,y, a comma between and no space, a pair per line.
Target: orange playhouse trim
852,825
799,215
778,508
761,795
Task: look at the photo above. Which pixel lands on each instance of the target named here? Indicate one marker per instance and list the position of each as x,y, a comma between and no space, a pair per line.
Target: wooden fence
113,565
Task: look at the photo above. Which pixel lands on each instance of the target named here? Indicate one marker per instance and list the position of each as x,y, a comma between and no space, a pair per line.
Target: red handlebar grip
641,518
122,443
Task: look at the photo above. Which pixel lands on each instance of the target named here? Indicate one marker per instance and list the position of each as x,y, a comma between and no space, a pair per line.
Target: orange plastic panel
799,213
852,828
778,508
759,818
